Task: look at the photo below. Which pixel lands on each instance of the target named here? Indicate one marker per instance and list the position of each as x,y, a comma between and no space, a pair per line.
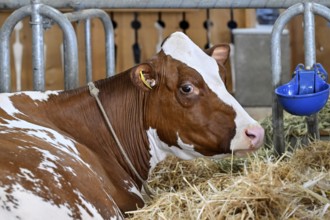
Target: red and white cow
58,159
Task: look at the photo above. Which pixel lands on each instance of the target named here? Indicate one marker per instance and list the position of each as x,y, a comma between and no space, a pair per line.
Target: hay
295,127
296,186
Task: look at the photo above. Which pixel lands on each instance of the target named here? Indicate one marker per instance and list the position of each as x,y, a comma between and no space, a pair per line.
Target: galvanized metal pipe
70,47
108,30
159,4
5,32
309,36
310,60
277,110
323,11
88,51
37,47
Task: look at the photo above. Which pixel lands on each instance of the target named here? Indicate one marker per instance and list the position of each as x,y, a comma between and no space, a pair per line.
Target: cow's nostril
250,135
256,135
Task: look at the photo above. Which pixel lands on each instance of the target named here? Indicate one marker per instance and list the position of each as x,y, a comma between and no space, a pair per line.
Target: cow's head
188,111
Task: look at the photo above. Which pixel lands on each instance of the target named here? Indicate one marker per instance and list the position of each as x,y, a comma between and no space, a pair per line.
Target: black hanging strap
136,25
160,21
184,25
207,26
232,24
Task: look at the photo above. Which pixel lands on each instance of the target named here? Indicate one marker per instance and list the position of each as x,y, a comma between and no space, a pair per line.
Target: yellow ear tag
144,80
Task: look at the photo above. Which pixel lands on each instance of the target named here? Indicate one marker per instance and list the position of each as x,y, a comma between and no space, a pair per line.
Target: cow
59,159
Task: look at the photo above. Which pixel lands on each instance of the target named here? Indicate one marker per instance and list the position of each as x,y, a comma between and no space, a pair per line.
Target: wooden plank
124,37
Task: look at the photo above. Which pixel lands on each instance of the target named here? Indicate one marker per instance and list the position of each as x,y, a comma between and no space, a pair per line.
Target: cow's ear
219,52
143,76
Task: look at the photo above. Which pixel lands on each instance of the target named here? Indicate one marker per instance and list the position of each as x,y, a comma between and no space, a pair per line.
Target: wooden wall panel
322,42
124,37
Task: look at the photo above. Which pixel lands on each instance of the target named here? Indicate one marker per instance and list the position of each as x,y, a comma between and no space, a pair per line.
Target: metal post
310,60
108,30
325,13
88,50
5,32
37,47
277,110
70,46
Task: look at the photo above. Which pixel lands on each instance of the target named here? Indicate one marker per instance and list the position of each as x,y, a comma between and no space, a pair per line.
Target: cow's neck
124,106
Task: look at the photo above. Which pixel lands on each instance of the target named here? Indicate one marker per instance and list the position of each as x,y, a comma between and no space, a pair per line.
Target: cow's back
44,173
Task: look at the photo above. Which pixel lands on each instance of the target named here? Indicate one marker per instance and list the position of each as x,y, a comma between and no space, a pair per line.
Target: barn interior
137,31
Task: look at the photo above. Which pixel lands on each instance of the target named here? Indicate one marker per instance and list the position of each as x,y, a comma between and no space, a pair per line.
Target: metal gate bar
309,9
37,47
108,30
88,51
159,4
70,47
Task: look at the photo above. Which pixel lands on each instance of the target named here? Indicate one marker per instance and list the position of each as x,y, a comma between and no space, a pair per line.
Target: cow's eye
187,88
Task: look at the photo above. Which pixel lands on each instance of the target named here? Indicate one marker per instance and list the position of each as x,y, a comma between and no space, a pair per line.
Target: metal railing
38,12
88,14
159,4
308,9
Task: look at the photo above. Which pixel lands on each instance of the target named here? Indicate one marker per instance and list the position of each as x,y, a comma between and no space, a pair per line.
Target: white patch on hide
131,187
48,135
7,104
39,96
27,175
160,150
23,204
52,137
8,107
187,151
19,203
87,205
48,164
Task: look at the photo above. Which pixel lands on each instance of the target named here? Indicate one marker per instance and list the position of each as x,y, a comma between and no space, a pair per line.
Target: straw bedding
261,186
295,127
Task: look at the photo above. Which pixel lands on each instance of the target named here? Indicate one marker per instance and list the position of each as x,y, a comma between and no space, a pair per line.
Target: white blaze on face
181,48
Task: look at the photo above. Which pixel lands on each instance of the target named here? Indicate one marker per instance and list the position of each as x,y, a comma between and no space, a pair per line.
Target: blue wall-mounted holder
307,92
289,98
